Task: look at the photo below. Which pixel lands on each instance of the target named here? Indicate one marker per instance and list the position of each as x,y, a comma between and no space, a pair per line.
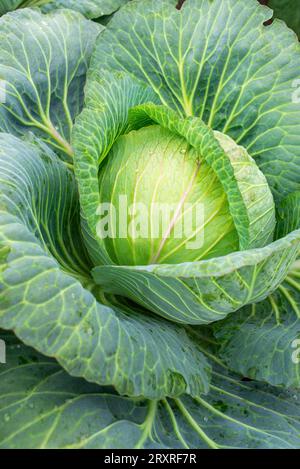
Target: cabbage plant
150,228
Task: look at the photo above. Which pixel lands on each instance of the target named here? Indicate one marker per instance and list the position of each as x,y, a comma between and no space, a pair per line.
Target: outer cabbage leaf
43,407
43,64
216,60
263,341
89,8
288,214
8,5
205,291
48,298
